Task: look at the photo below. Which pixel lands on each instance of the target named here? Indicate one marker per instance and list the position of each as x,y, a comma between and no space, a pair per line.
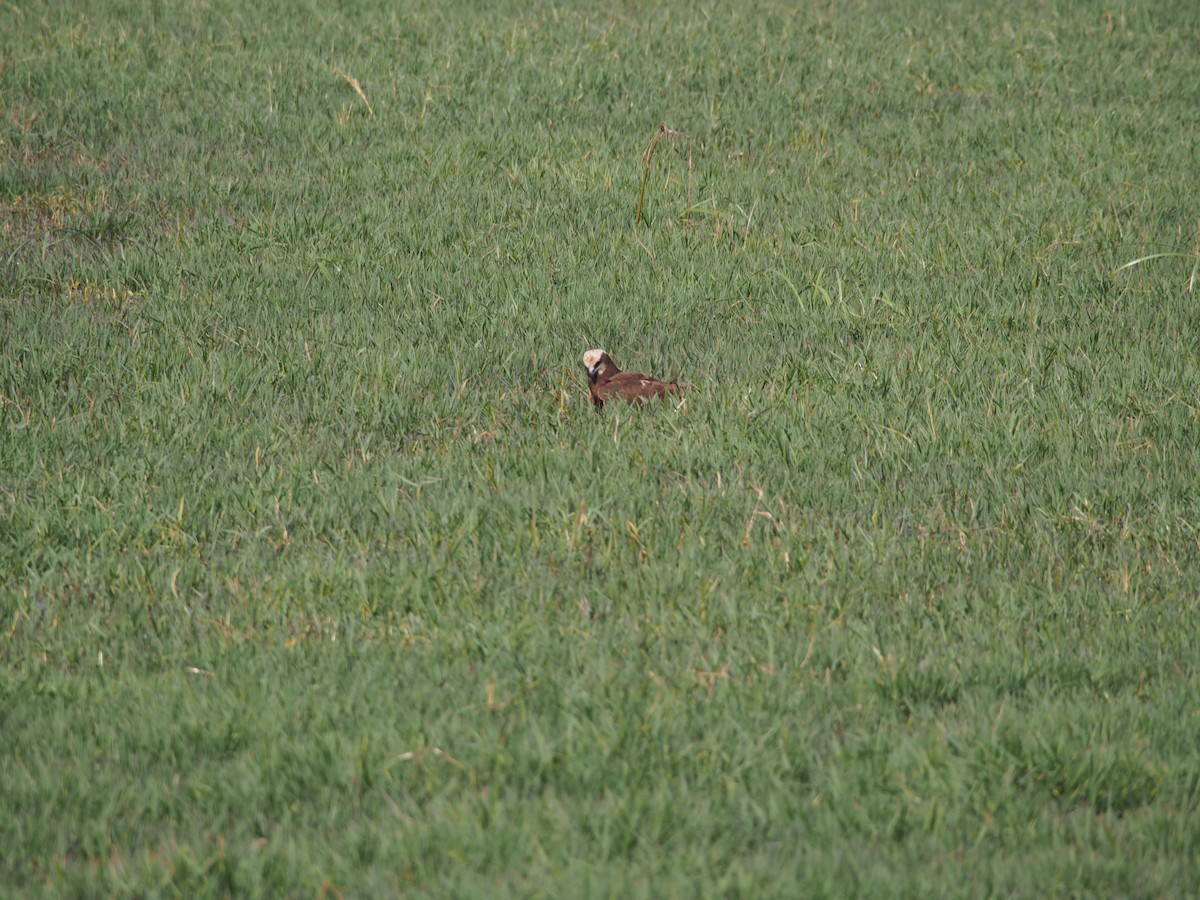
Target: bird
607,381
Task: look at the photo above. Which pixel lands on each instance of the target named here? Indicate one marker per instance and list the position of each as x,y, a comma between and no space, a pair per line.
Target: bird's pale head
591,360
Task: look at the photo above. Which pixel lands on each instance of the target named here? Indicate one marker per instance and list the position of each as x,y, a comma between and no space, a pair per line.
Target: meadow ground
320,576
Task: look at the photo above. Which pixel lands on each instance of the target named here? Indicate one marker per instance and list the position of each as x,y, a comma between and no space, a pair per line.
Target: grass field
319,575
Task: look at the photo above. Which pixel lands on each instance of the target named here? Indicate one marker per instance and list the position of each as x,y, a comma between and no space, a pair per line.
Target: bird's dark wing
633,386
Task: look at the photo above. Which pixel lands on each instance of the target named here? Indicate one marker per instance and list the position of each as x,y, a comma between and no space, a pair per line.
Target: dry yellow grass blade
354,83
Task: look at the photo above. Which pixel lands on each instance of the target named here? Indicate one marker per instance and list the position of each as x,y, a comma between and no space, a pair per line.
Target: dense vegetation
319,575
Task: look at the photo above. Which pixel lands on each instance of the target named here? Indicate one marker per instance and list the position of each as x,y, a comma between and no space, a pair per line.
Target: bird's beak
593,370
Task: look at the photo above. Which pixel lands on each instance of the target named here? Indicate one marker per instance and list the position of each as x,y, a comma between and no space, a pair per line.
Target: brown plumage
607,381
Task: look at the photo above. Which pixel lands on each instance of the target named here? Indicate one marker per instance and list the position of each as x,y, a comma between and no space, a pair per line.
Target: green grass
319,575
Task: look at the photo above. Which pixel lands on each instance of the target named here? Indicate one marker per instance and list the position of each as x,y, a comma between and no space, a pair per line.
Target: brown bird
608,381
